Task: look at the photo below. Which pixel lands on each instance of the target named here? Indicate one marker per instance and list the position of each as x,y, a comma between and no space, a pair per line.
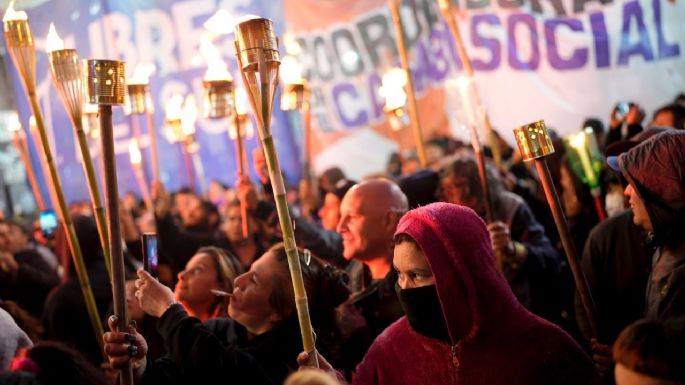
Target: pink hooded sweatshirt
495,340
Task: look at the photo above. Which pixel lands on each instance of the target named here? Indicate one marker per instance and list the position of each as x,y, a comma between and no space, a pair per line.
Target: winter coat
656,170
494,339
218,351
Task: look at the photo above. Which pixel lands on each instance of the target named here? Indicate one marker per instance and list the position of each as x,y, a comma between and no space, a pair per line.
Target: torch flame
141,74
32,123
291,70
189,115
174,107
292,46
54,42
221,23
217,69
13,122
134,152
392,89
11,14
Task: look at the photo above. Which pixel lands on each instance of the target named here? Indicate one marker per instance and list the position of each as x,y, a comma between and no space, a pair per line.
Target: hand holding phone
150,255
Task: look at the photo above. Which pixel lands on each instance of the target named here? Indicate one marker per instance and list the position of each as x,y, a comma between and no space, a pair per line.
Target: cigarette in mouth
221,293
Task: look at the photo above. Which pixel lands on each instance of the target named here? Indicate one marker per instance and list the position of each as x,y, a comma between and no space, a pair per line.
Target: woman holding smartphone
257,345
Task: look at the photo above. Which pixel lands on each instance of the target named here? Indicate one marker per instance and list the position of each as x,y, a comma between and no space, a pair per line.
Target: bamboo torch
295,97
392,90
446,9
535,144
190,145
22,50
136,159
140,102
404,59
107,87
19,143
220,104
67,76
257,51
174,133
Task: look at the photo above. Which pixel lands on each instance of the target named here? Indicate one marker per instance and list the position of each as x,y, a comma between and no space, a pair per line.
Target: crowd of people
413,276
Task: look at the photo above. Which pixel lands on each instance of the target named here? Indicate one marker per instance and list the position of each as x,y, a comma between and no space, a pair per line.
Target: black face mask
422,307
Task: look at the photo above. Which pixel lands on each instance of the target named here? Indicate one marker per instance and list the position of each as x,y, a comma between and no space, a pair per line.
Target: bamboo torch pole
446,9
67,76
535,144
21,47
258,57
411,102
107,87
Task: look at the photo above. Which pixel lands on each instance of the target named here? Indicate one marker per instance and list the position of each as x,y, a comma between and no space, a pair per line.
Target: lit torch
392,90
140,102
177,130
258,57
220,101
296,97
22,50
446,9
404,59
190,144
67,76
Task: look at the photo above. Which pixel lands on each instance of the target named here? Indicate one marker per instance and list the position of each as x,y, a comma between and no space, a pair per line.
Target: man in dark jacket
655,171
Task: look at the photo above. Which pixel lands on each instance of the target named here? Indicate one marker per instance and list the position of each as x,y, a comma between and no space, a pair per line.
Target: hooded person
463,323
655,172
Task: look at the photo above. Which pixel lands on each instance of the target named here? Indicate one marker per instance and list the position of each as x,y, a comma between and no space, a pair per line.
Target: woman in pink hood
463,324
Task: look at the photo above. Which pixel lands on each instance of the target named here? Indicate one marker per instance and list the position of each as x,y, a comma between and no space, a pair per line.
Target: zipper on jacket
455,355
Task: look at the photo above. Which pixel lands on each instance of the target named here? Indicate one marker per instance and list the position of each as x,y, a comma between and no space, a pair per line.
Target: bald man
369,213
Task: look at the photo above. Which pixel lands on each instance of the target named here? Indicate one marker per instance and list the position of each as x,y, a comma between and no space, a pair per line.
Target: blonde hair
311,377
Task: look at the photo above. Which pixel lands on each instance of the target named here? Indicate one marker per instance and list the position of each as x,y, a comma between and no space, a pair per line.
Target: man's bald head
369,213
382,194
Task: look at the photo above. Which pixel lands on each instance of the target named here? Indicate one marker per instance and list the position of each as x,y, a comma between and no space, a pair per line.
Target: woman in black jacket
259,344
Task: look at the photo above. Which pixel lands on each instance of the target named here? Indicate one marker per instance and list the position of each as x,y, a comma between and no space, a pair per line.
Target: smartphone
622,109
48,223
150,256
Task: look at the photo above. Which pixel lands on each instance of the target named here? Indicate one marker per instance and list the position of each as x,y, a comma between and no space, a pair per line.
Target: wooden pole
567,242
411,97
116,251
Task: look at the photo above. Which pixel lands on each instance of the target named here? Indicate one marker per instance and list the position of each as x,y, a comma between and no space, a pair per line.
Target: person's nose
239,281
342,224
